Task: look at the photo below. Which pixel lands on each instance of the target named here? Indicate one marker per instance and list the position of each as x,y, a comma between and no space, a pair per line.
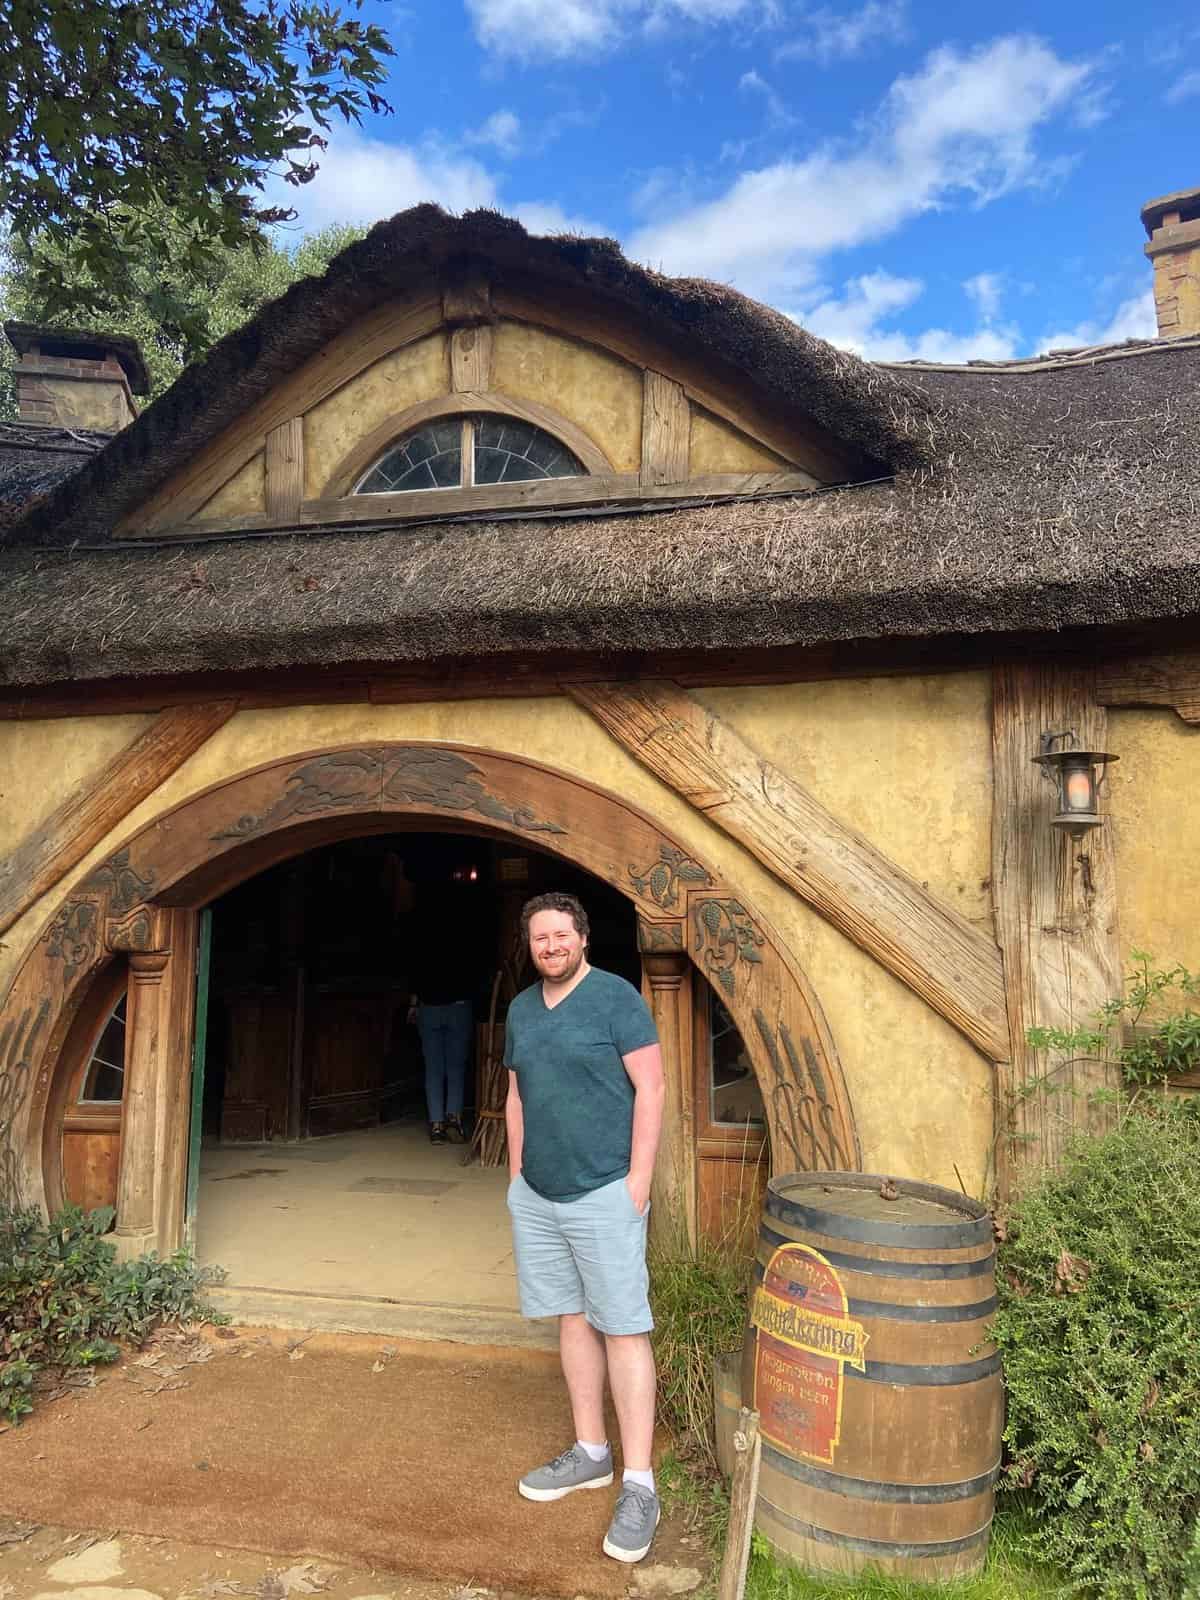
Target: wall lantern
1078,775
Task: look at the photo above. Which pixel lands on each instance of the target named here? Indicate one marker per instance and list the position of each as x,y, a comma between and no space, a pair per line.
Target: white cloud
961,128
854,321
541,217
985,289
364,180
1183,88
778,114
557,29
502,130
825,35
1133,319
361,179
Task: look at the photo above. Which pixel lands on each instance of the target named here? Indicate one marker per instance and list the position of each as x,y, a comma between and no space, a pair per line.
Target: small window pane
105,1075
430,458
508,450
734,1095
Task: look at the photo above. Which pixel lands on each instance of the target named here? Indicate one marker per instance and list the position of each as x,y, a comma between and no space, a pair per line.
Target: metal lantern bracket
1078,775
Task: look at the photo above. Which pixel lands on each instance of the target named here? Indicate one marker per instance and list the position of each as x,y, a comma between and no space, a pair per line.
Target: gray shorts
586,1255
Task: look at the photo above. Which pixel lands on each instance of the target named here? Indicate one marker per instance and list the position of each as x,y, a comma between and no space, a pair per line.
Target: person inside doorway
444,978
584,1113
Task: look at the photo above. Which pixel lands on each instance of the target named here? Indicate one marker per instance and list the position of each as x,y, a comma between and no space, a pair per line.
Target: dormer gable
445,367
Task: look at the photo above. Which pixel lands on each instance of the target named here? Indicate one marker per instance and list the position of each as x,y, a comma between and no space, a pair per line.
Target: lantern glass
1078,786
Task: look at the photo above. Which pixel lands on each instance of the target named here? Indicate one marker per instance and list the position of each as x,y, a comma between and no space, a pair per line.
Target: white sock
594,1452
644,1480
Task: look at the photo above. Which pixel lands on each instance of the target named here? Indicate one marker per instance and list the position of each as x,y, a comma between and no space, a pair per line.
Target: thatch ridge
875,412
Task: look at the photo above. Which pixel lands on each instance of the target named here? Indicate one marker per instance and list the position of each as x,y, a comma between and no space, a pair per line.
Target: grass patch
1005,1577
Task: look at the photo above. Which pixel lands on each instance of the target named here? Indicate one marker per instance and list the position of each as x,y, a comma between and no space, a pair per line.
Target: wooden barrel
727,1405
867,1357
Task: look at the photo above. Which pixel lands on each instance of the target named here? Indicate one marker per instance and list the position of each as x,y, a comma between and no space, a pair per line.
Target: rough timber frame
141,904
674,381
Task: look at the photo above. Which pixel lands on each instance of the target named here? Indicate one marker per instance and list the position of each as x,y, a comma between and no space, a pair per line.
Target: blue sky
907,179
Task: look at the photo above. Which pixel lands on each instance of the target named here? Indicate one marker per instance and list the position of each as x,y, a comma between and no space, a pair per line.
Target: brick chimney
69,379
1173,226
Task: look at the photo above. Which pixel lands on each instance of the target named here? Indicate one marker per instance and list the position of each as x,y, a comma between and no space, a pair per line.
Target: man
584,1111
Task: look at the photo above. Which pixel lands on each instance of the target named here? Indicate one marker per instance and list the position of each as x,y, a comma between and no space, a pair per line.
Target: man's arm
514,1121
645,1071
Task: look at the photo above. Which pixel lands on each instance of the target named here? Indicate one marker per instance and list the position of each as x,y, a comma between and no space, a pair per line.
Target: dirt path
381,1458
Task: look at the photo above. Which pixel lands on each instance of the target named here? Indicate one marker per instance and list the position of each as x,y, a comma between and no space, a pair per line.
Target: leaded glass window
105,1075
460,452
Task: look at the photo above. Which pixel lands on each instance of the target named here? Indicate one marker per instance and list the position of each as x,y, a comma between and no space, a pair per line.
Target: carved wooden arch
238,827
495,402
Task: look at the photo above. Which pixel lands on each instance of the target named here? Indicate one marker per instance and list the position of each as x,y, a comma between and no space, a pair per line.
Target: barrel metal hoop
875,1547
912,1236
939,1377
889,1311
933,1271
896,1494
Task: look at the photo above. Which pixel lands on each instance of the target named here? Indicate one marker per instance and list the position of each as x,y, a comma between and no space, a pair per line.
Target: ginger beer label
805,1341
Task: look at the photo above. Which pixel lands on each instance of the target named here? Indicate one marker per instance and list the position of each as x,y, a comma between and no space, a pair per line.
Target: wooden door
90,1137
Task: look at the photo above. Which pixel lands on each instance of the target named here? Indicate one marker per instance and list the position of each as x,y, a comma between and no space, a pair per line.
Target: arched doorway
142,905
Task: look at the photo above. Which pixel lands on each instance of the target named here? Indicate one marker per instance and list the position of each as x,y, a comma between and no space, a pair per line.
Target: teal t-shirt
575,1093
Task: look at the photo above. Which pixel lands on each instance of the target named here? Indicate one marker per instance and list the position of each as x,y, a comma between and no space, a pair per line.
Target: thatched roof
35,459
875,414
1060,493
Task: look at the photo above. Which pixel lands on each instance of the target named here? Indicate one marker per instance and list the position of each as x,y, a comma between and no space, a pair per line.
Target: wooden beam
1168,680
471,359
96,807
1056,916
419,505
942,957
285,469
666,430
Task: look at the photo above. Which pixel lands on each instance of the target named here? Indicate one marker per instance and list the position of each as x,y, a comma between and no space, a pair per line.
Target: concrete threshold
258,1307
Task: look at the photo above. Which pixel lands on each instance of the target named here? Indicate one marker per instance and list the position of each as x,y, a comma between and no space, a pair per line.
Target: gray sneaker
631,1531
574,1469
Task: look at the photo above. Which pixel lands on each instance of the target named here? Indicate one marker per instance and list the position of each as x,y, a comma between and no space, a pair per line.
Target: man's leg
432,1029
631,1376
581,1350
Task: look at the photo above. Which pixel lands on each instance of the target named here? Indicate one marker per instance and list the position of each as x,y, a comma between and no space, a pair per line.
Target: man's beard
567,972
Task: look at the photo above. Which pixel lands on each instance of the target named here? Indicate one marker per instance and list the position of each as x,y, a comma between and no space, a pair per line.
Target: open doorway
317,1175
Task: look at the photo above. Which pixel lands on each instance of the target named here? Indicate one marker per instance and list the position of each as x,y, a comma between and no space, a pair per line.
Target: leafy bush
65,1300
1100,1329
699,1303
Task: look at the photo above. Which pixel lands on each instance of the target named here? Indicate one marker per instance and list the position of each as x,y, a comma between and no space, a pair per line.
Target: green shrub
65,1300
1100,1330
699,1304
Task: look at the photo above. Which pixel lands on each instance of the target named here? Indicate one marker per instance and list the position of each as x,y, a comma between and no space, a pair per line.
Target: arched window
104,1078
461,452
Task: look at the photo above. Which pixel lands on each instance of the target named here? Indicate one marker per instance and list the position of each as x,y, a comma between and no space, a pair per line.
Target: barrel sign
806,1338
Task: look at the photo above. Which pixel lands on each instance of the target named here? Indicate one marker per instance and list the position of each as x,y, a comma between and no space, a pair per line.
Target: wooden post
152,1176
284,470
667,973
666,430
1056,917
747,1444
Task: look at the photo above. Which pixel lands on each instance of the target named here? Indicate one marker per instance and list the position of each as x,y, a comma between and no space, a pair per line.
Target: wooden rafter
954,967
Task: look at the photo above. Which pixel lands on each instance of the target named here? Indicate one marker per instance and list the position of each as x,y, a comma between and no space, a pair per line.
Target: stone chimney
69,379
1173,225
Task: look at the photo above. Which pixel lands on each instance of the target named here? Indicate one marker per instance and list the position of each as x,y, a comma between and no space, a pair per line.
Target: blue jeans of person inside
446,1045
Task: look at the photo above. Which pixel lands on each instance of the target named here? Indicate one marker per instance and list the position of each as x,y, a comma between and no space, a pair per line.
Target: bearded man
584,1112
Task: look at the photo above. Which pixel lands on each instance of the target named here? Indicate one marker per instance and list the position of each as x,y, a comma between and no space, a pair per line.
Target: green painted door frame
196,1124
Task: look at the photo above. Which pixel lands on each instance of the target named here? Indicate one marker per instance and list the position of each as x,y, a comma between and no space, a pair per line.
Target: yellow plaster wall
419,371
599,393
245,494
921,1094
41,763
718,447
1152,811
905,760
